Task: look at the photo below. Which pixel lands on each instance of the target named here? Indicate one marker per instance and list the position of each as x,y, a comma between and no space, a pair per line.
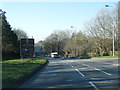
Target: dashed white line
79,72
102,71
97,69
93,85
71,65
116,64
86,65
106,73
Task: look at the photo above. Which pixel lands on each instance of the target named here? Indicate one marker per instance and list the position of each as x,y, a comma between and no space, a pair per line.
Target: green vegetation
10,44
95,40
13,71
84,57
106,57
10,38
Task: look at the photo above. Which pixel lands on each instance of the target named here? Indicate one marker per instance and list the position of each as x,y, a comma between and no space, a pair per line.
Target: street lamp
112,35
74,39
108,6
57,43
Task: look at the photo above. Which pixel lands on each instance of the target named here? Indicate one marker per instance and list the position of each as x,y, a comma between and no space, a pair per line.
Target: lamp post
57,43
74,39
113,42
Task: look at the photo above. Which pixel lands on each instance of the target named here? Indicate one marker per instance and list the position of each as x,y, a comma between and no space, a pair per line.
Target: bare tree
101,28
20,33
56,42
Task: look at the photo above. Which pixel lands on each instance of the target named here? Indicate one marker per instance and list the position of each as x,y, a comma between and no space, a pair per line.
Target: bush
84,57
106,54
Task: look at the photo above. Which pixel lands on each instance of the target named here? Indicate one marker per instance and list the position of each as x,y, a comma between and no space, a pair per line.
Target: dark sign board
27,47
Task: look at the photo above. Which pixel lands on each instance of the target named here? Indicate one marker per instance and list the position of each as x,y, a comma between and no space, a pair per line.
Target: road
76,73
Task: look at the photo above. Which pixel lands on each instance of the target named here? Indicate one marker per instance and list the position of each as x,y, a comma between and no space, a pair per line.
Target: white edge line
79,72
93,85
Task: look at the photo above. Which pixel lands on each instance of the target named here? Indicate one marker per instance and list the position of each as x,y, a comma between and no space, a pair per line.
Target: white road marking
79,72
71,65
102,71
93,85
97,69
86,65
116,64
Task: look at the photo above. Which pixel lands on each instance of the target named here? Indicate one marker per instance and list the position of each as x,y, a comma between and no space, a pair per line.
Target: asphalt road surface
76,73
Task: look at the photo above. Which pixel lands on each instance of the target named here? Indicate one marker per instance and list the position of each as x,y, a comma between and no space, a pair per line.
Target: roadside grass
13,71
84,57
106,57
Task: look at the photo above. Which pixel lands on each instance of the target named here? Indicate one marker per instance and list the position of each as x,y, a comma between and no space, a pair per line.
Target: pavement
76,73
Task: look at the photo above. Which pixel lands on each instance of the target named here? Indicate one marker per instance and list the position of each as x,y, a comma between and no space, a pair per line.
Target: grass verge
106,57
14,71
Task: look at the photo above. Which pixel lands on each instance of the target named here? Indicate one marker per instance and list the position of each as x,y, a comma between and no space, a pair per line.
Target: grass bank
14,71
106,57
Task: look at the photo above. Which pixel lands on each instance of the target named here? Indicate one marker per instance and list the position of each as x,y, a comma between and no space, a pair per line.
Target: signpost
27,47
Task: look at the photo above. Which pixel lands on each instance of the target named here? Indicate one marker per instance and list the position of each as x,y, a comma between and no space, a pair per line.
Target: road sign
27,47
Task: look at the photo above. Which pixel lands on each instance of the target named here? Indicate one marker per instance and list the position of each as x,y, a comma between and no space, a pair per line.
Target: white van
54,54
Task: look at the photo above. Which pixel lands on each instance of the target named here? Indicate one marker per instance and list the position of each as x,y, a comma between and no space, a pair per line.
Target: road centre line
77,70
97,69
93,85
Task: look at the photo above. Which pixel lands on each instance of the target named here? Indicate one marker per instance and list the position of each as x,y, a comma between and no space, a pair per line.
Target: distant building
27,47
39,51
